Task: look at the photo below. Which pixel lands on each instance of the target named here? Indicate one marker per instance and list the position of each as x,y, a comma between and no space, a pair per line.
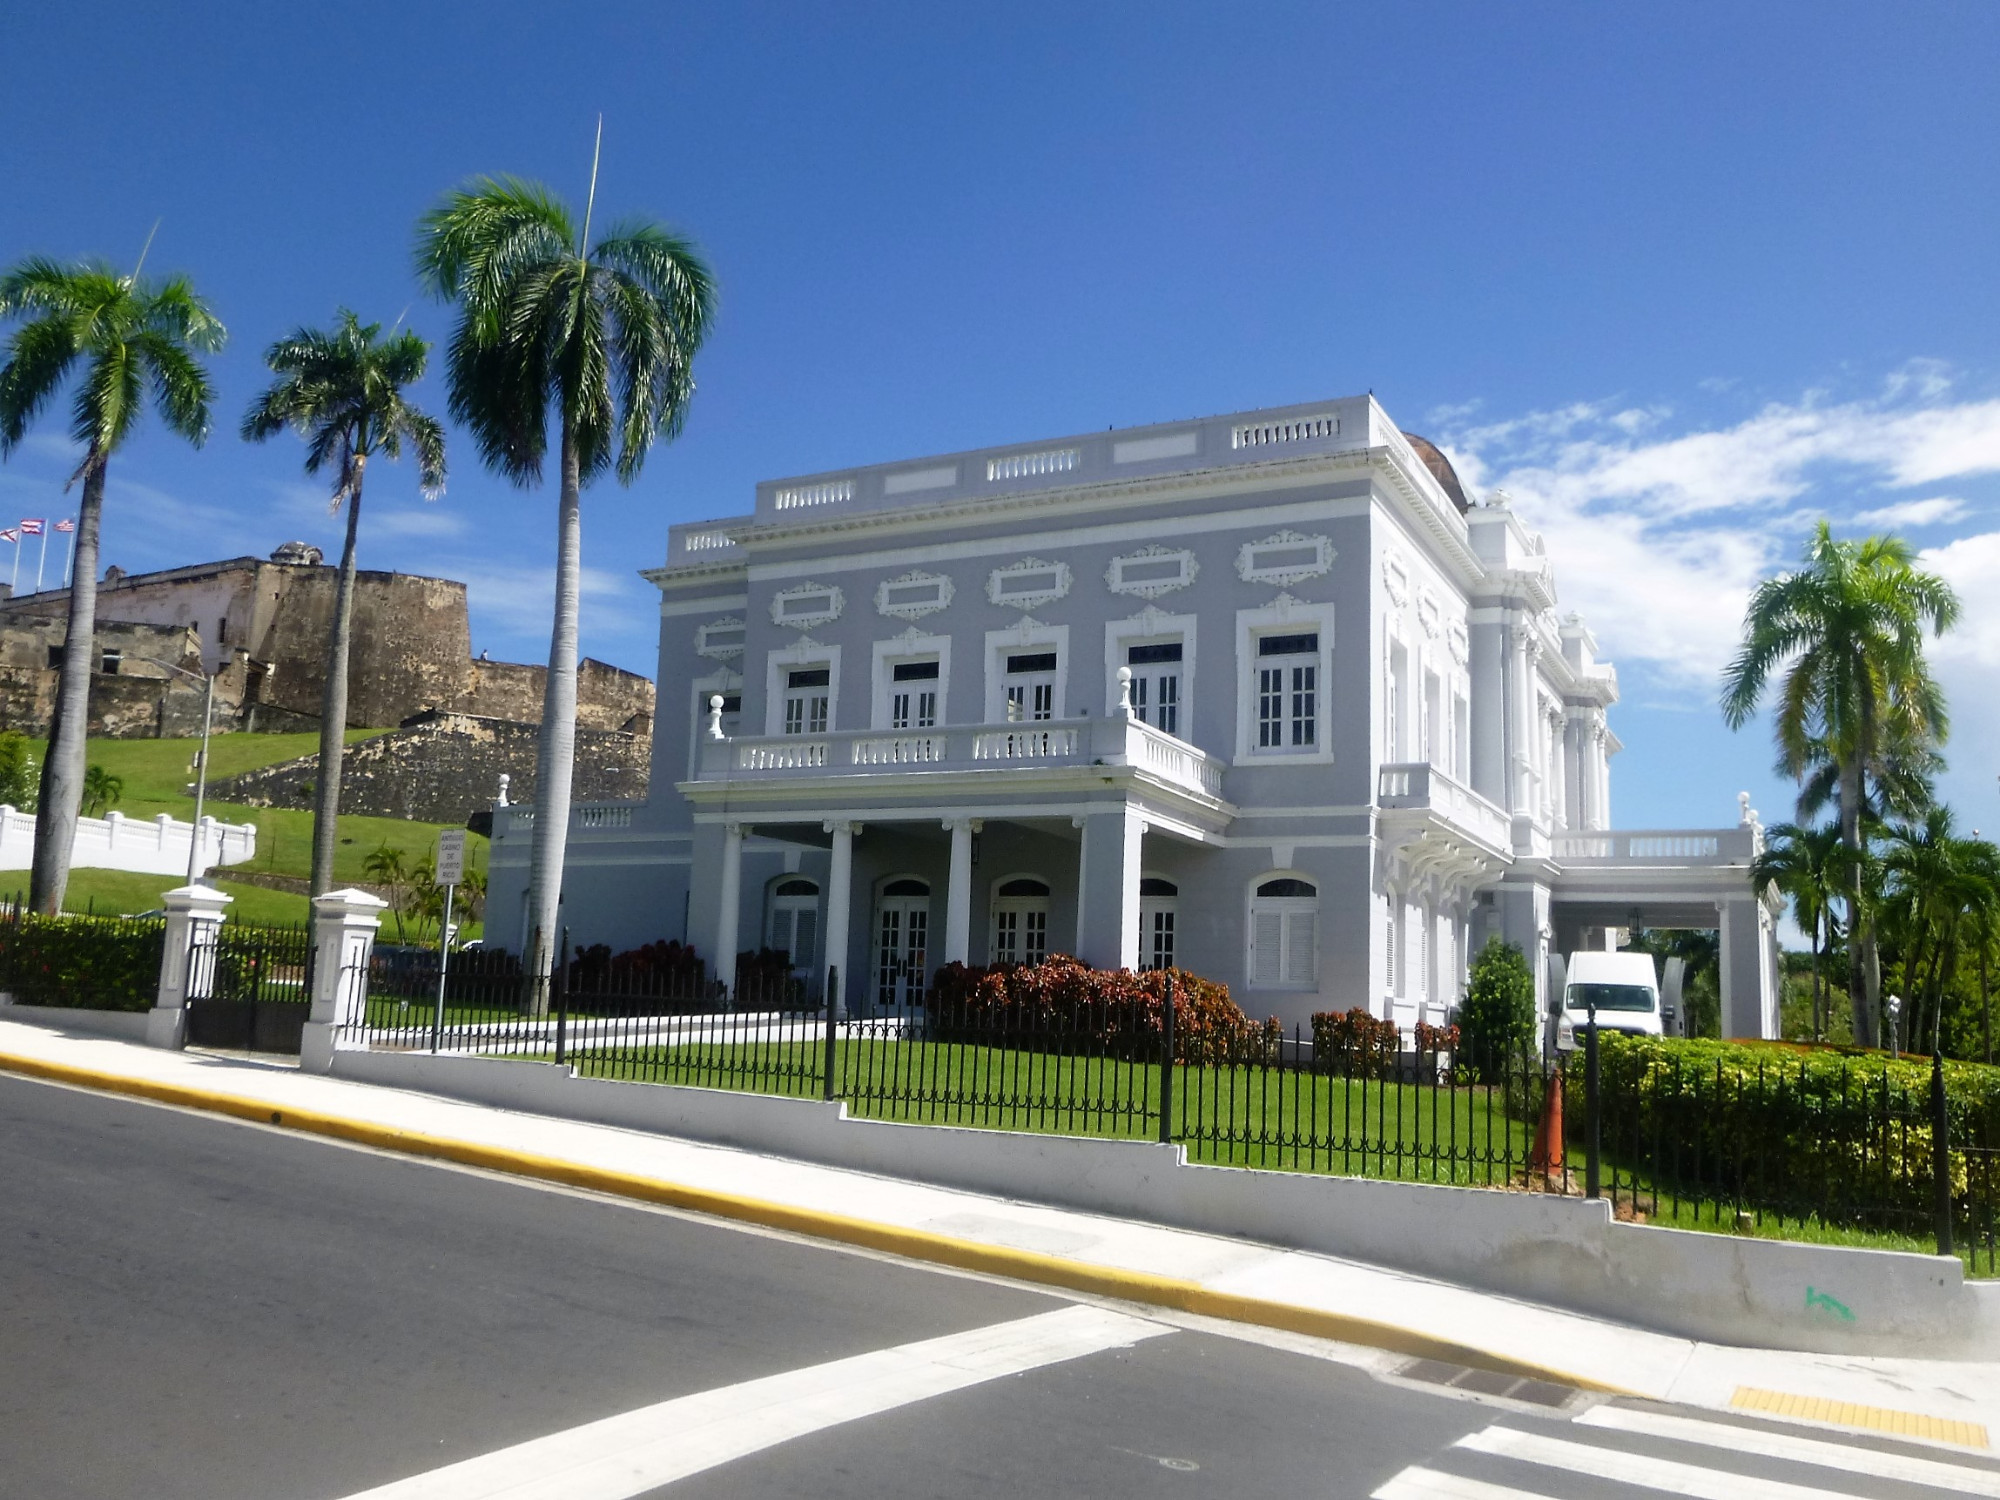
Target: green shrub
1840,1130
1064,1005
20,777
90,963
1497,1018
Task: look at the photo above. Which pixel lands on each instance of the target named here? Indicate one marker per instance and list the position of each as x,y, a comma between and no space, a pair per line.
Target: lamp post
201,759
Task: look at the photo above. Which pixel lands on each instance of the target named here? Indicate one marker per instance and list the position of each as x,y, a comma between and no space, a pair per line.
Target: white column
187,961
839,896
726,942
344,928
1600,761
958,893
1107,887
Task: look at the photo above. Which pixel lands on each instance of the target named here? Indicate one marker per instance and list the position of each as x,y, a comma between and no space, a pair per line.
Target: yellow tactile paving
1852,1414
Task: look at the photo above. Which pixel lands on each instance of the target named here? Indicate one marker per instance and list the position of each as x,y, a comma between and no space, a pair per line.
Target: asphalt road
196,1309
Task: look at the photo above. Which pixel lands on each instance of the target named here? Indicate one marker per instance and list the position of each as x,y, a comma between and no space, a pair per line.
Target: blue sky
1681,279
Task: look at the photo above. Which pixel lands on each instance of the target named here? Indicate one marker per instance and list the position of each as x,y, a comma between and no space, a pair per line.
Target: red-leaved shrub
1353,1041
1064,1005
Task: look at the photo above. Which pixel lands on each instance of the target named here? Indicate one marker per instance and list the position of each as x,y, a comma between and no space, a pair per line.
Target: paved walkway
1948,1402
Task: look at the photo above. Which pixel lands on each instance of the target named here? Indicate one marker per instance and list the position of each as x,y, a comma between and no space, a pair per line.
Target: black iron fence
1839,1149
88,963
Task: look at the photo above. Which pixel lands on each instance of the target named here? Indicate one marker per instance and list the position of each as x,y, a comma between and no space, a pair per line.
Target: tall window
1159,901
1031,686
1021,922
1393,967
794,924
1435,732
1156,684
913,695
806,694
1287,691
1284,934
1395,703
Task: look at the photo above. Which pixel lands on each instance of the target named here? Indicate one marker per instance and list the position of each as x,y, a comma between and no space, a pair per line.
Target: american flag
10,535
32,528
65,526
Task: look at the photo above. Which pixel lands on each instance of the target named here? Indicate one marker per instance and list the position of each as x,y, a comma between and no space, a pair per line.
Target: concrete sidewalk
1208,1275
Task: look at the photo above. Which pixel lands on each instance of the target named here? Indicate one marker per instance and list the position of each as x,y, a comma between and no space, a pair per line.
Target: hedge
1064,1005
1794,1126
91,963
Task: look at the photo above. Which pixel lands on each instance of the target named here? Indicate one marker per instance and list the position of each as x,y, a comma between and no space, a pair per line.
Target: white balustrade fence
152,846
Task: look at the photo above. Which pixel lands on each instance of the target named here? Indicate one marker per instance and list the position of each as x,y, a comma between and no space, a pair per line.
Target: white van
1625,988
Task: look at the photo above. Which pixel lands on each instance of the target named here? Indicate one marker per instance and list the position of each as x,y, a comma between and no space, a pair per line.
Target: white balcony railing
1418,784
982,748
1656,846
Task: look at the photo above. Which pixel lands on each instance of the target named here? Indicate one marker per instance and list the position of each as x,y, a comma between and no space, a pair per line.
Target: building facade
1262,696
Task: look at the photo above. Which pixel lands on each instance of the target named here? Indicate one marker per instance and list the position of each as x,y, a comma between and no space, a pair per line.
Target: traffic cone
1547,1155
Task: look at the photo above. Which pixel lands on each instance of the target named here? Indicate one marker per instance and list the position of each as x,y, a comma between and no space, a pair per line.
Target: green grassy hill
159,778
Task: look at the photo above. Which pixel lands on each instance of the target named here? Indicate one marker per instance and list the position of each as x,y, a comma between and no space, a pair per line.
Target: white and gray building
1264,696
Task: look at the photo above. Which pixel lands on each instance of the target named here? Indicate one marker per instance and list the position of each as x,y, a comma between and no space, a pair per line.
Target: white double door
902,951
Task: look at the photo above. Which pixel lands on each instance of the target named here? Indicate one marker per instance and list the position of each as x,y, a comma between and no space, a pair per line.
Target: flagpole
14,583
42,558
69,556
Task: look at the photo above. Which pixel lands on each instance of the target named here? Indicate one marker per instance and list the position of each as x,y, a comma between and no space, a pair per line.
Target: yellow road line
1852,1414
912,1244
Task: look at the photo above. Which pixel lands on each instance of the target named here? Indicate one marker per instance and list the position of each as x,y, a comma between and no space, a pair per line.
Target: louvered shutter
803,950
1267,948
1301,938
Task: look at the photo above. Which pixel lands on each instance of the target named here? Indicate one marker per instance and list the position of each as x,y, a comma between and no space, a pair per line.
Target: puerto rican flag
32,528
65,526
10,535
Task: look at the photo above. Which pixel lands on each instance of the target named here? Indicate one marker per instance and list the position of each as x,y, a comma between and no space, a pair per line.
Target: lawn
1289,1120
1292,1120
158,777
126,893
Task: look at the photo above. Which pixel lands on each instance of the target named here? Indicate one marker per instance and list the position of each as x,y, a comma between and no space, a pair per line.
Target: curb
910,1244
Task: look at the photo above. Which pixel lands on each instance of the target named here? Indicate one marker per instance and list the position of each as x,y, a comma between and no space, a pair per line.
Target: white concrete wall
156,846
1561,1251
129,1025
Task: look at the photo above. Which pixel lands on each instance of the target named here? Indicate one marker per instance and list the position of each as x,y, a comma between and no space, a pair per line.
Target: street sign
451,856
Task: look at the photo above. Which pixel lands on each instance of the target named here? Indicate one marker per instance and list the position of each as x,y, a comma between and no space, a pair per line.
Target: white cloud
1659,525
1939,510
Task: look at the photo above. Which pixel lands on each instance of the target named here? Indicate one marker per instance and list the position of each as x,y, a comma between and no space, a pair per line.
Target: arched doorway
1159,902
902,943
1020,930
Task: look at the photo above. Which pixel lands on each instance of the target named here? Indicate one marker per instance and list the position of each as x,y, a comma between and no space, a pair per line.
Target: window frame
1285,618
1286,908
1022,639
803,656
905,648
1151,627
776,902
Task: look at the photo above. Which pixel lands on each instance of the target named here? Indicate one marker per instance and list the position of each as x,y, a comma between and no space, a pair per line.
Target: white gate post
344,926
187,961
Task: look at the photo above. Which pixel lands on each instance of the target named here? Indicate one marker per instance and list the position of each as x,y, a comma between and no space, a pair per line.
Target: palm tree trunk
1819,1031
1850,837
333,702
1985,998
555,762
63,768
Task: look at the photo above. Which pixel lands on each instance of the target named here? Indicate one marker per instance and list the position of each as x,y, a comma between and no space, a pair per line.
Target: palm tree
1805,864
1848,632
101,789
343,392
604,334
123,339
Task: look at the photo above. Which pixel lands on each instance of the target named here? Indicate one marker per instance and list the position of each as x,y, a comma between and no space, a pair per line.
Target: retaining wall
127,1025
1564,1252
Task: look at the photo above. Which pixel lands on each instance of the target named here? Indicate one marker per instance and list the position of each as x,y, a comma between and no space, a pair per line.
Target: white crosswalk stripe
1641,1469
1420,1483
1546,1457
1848,1457
623,1456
